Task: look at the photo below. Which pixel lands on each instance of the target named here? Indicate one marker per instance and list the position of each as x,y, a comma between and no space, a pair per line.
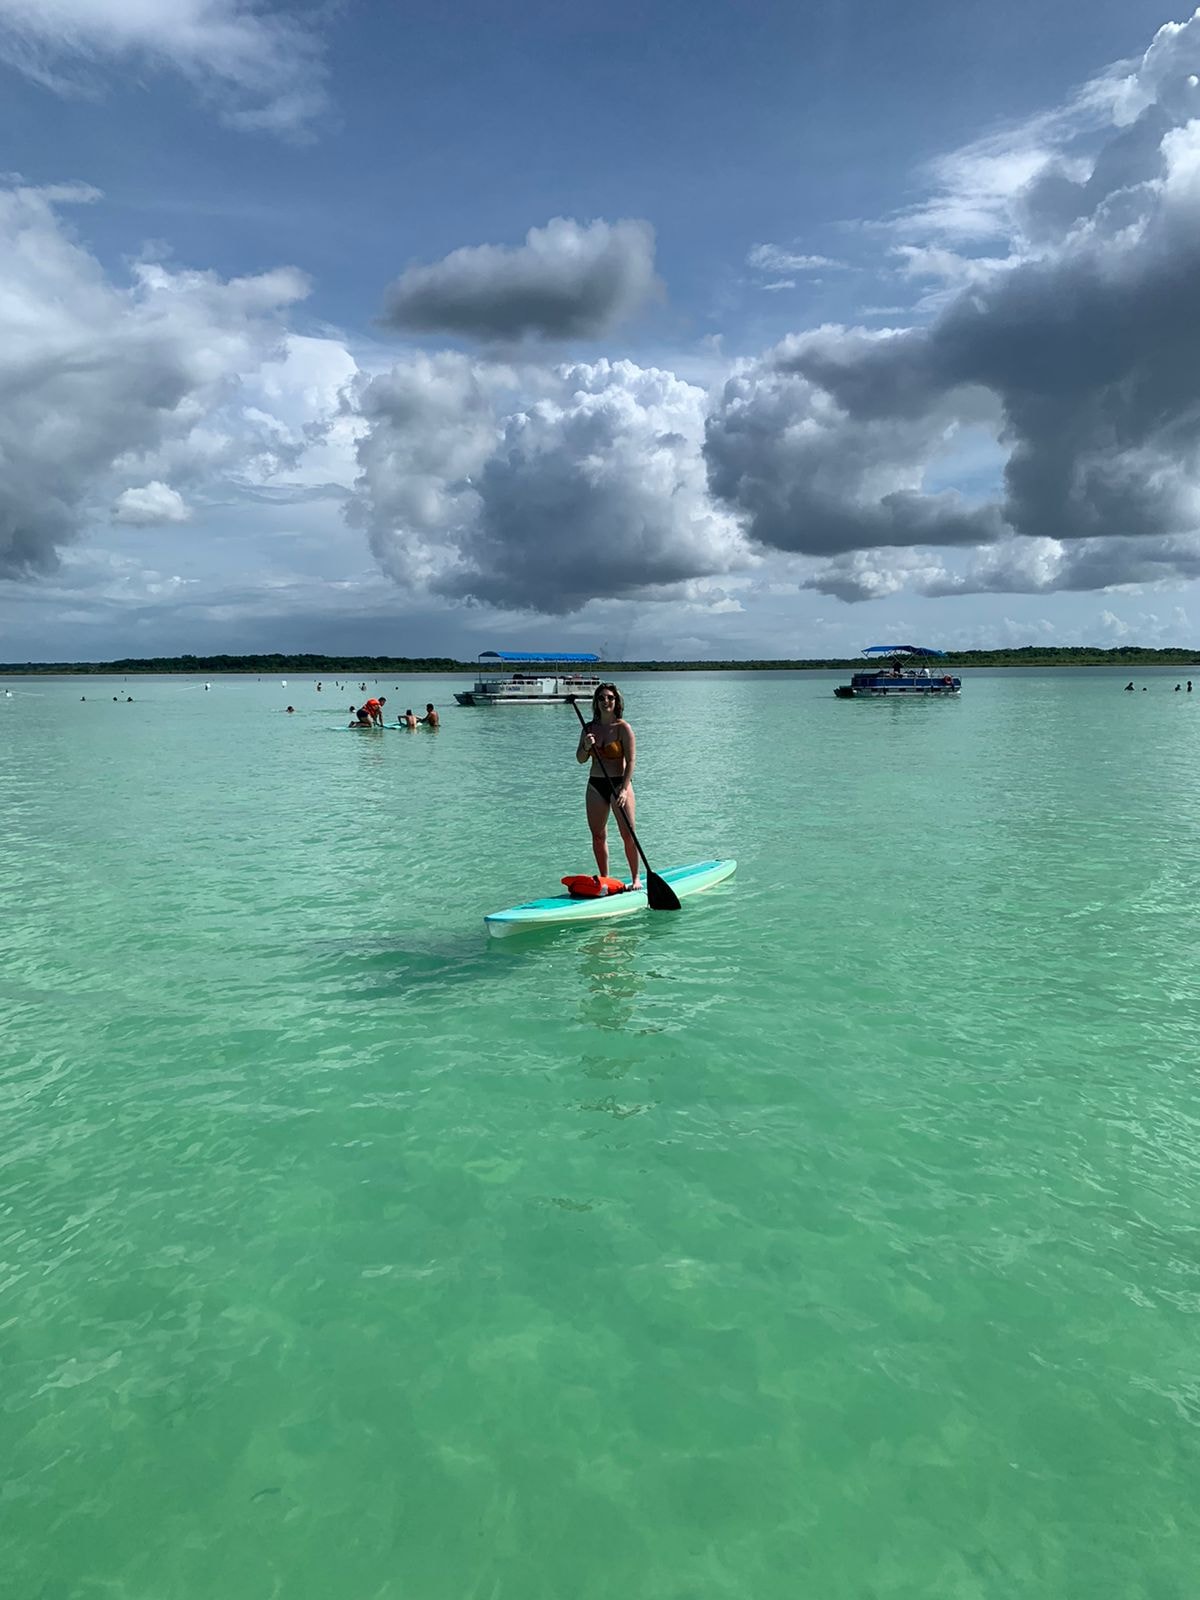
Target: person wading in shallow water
608,735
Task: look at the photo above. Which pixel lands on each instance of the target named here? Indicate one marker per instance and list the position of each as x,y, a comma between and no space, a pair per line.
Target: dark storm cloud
1084,343
566,281
813,478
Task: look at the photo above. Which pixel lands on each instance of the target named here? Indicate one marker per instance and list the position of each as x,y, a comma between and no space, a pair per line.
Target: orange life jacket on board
583,887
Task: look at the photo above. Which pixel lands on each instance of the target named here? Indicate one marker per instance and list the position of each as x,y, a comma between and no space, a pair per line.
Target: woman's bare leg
631,853
597,815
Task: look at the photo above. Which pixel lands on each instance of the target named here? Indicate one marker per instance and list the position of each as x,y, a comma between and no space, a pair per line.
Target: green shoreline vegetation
425,666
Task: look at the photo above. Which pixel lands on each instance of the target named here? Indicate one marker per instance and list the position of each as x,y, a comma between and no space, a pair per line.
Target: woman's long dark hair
618,703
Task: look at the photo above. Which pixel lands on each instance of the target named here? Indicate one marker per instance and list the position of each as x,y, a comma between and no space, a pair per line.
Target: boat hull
915,689
474,698
551,689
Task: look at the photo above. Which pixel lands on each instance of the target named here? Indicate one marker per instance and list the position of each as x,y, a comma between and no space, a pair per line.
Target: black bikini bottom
603,787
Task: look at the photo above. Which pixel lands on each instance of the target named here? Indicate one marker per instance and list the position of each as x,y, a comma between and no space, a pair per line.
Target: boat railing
930,680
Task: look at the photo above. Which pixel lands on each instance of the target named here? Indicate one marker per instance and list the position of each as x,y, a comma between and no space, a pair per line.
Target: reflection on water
612,979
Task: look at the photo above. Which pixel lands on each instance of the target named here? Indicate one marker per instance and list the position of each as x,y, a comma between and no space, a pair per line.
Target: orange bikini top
613,751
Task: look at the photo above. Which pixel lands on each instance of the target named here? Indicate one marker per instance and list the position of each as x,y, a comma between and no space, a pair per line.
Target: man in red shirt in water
374,709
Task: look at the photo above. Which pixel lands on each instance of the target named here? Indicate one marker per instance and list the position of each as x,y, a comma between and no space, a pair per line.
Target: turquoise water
834,1237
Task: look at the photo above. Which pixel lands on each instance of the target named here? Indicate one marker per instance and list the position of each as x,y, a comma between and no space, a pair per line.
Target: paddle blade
659,895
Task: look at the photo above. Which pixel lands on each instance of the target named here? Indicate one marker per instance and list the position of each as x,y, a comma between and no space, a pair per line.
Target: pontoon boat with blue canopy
902,676
560,678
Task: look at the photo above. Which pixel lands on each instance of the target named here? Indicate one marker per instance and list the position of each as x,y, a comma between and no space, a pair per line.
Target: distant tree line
1027,656
389,666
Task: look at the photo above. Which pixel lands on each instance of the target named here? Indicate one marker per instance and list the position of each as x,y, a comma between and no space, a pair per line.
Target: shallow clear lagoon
834,1237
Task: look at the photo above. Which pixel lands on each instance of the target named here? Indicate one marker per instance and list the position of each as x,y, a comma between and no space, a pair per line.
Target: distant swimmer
410,719
1129,686
318,688
291,709
128,699
82,697
431,718
1178,686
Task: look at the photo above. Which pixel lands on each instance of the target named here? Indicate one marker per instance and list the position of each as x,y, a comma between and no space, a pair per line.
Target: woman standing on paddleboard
609,736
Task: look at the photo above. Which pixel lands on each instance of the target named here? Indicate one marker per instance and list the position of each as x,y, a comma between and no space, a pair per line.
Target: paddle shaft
656,887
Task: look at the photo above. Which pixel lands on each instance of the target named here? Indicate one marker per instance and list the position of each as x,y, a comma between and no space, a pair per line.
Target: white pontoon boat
560,677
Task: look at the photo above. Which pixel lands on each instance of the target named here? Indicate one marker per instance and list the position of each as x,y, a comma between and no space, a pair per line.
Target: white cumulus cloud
150,504
175,376
540,488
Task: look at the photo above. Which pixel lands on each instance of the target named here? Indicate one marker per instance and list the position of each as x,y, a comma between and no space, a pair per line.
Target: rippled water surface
837,1237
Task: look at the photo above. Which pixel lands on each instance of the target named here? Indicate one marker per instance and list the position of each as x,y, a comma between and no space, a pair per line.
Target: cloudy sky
693,330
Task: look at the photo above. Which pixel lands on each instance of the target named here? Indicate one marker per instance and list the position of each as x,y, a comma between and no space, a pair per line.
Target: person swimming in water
431,718
609,738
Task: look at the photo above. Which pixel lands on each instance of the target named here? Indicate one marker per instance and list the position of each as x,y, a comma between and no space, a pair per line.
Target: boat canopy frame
528,658
922,652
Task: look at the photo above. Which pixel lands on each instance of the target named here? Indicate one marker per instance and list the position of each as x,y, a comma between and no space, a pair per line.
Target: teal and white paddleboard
556,909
